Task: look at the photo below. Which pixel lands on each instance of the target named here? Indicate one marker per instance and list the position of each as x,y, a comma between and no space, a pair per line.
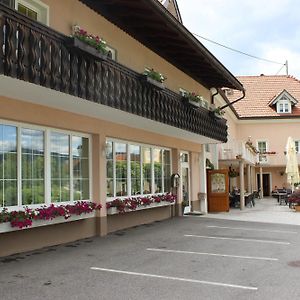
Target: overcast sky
266,28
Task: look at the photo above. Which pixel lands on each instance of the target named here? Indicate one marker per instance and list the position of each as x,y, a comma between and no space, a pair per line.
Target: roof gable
284,95
172,7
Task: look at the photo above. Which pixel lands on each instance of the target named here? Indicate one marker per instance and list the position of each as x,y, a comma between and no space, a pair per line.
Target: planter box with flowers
193,99
90,43
217,112
29,218
154,78
120,206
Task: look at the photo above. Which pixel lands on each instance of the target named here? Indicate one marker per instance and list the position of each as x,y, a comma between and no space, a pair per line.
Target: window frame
152,185
47,163
266,159
285,105
37,6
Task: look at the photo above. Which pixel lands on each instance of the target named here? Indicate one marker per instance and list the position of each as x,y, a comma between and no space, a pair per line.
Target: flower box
76,43
114,210
155,83
6,227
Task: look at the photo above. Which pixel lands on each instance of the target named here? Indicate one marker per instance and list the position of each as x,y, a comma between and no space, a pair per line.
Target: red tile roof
260,91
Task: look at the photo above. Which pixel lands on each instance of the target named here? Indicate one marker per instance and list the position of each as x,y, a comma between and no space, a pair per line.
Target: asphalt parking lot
188,257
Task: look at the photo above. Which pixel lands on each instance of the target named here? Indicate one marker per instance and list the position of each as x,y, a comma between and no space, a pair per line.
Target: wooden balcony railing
35,53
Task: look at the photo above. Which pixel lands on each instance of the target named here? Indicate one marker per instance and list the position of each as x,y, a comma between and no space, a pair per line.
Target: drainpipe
229,104
213,96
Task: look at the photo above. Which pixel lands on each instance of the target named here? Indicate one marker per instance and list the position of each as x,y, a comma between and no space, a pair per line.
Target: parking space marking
252,229
213,254
176,278
237,239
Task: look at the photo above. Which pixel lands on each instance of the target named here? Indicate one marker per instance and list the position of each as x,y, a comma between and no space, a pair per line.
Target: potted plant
155,78
193,99
90,43
184,204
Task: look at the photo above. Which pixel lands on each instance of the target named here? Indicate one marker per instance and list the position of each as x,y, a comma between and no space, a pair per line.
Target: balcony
237,150
34,53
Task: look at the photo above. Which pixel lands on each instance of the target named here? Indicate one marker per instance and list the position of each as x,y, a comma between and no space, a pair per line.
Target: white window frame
128,144
39,7
266,159
284,107
47,163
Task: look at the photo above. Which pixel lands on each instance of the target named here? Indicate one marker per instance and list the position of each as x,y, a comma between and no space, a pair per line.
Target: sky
268,29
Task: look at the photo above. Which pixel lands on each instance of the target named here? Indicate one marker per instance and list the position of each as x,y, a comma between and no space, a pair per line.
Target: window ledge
6,227
114,210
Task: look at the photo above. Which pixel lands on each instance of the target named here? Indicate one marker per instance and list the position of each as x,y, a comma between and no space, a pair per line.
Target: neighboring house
79,126
267,116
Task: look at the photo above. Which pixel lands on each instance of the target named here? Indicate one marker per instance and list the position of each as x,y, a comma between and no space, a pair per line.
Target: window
283,106
262,148
29,153
33,9
80,159
297,145
33,166
133,169
8,166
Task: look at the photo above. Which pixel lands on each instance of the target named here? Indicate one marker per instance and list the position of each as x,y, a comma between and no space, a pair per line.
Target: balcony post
261,193
249,187
242,185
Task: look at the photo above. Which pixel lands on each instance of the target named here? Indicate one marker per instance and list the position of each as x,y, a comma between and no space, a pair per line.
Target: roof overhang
150,23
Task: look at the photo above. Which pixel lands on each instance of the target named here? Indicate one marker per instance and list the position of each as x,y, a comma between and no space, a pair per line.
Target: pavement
266,210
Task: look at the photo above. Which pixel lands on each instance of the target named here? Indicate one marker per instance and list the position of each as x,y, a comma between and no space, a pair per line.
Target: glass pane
33,170
65,190
27,11
147,170
135,165
167,170
1,193
55,190
121,169
80,152
8,138
109,187
10,165
10,193
157,156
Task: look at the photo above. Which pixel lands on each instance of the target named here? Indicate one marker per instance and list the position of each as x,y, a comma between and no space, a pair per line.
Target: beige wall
131,53
276,135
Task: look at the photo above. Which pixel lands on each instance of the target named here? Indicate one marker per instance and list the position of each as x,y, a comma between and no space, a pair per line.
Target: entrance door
218,190
185,180
266,184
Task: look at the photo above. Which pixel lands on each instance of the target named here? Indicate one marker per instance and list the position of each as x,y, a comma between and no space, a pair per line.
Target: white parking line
176,278
237,239
252,229
212,254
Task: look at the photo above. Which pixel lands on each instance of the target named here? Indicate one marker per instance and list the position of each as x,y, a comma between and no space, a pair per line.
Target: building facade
77,125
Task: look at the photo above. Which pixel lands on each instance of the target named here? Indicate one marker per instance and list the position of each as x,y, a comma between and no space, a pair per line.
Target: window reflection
121,169
147,170
135,164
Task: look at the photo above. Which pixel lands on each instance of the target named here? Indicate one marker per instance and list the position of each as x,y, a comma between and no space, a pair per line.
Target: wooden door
218,190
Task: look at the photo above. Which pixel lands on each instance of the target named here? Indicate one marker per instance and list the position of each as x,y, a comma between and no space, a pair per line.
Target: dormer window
283,106
284,102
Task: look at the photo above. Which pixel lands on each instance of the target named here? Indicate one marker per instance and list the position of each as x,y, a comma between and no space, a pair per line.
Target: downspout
229,104
213,96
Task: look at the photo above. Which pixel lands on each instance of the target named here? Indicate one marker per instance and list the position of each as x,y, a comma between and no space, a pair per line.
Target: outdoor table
281,197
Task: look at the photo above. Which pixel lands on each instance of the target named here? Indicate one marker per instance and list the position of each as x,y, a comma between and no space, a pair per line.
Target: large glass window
135,166
262,148
133,169
8,166
60,167
80,155
32,152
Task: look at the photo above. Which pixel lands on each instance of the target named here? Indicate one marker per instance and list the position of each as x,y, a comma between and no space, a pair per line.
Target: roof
172,7
154,26
261,91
